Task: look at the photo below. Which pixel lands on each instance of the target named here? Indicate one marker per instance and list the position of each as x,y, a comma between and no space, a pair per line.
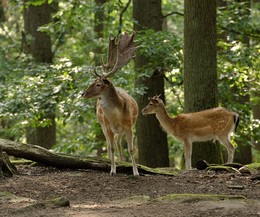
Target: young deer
116,110
216,123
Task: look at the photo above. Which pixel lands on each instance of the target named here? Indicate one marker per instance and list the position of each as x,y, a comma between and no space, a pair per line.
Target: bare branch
240,33
121,16
175,12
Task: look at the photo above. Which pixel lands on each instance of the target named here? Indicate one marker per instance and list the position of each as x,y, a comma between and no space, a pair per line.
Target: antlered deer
116,110
217,123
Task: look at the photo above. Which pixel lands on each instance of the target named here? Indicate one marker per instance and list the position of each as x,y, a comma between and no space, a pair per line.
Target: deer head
120,52
154,104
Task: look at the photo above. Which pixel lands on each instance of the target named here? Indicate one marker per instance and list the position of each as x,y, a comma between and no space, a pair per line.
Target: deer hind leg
230,148
130,143
118,145
111,140
187,148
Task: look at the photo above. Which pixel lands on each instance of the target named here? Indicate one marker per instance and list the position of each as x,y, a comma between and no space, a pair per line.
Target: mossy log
199,197
53,203
228,167
43,156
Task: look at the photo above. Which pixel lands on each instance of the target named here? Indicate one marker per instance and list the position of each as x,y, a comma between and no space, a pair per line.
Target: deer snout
144,111
84,94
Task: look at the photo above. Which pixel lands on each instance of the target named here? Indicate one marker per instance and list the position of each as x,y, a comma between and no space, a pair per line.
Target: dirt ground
93,193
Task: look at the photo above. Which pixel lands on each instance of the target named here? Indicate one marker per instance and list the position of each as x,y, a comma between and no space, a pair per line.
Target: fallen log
43,156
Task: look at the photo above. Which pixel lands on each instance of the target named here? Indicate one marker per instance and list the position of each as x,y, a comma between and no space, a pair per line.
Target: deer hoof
112,173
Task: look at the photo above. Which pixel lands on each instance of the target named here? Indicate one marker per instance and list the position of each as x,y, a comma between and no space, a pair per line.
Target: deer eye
98,85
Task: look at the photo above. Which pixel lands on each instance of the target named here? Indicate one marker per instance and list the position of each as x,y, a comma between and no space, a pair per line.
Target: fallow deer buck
217,123
116,110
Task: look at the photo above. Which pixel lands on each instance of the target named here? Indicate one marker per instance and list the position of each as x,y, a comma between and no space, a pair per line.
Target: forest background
40,93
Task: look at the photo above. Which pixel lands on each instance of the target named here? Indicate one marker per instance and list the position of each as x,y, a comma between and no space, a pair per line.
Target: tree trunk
200,68
40,45
256,115
99,30
7,169
152,141
243,152
40,48
2,13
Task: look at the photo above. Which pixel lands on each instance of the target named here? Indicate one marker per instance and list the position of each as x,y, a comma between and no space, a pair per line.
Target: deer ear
106,81
154,100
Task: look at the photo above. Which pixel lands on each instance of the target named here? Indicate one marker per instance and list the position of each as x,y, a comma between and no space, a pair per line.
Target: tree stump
7,169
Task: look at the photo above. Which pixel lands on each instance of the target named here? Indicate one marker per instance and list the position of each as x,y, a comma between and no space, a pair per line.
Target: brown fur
116,112
216,123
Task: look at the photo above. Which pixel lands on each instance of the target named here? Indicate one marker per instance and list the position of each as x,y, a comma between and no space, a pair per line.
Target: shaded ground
94,193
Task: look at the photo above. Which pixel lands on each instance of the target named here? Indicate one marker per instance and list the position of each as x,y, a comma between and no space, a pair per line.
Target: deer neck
165,120
110,98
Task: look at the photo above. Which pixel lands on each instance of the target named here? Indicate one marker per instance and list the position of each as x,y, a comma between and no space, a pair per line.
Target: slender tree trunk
99,17
243,152
2,13
200,68
34,17
256,115
40,48
152,141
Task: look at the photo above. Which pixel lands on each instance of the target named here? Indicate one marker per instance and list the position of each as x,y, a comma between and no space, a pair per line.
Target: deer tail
236,121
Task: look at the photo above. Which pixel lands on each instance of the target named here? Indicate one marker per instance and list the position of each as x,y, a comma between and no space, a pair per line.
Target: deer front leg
130,143
187,147
110,141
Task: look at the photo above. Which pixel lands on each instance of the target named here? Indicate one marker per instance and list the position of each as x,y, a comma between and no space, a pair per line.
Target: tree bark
43,156
6,167
99,18
34,17
243,152
2,13
256,115
200,68
40,48
152,141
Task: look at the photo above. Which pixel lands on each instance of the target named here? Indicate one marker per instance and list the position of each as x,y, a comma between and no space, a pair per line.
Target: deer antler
119,54
155,98
94,72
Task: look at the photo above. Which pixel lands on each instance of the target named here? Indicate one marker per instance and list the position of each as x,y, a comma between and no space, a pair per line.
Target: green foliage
37,90
238,66
37,2
161,48
30,91
164,52
235,18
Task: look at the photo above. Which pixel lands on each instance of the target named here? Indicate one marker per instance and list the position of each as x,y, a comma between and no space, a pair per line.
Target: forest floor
97,194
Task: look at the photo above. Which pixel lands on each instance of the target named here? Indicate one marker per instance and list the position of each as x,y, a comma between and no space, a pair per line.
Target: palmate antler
119,54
